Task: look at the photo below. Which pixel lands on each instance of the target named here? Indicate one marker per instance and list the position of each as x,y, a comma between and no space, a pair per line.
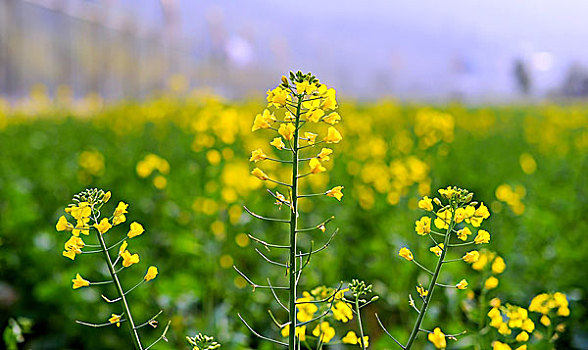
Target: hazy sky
420,48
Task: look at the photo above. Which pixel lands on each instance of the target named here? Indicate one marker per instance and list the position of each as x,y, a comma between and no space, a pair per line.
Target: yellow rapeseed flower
135,230
115,319
335,192
314,115
333,136
522,337
263,120
483,236
423,226
426,204
464,233
438,249
463,284
324,154
278,143
287,130
63,224
103,226
498,265
257,155
72,247
316,166
471,257
491,283
259,174
79,282
300,332
310,137
332,118
121,209
422,291
406,253
129,259
437,338
151,273
324,331
342,312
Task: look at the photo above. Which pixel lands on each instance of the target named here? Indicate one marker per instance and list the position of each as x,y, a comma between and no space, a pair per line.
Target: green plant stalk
359,322
121,294
423,310
293,227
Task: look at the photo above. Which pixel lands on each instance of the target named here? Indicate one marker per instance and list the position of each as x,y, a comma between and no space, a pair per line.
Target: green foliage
391,155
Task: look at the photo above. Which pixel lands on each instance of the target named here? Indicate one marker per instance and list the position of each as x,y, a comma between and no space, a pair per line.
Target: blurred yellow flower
316,166
463,284
324,332
151,273
471,257
287,130
259,174
115,319
257,155
437,338
335,192
491,283
333,136
332,118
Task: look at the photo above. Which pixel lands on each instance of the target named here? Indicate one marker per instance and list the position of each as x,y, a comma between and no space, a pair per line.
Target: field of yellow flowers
182,165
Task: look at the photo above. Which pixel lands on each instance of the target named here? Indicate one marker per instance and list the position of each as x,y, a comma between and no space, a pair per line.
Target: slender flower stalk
459,210
86,212
306,102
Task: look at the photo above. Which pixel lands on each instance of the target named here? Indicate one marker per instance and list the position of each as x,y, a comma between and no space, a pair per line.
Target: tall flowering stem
303,100
85,212
457,218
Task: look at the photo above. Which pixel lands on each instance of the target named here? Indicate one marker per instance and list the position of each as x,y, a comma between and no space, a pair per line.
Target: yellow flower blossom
443,219
423,226
123,247
103,226
545,320
496,345
437,338
151,273
471,257
257,155
121,209
277,97
305,87
316,166
81,211
460,215
115,319
330,101
406,253
72,247
426,204
300,332
333,136
79,282
278,143
352,338
332,118
342,312
324,154
522,337
324,331
129,259
483,236
305,310
106,197
314,115
287,130
335,192
63,224
263,120
259,174
498,265
504,330
448,193
438,249
491,283
310,137
464,233
463,284
135,230
422,291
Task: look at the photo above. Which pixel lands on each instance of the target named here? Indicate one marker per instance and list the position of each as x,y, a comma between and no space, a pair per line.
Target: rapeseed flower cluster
84,216
154,163
457,221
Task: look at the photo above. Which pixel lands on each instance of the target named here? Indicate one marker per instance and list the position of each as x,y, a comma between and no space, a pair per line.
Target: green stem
119,289
293,227
359,322
417,325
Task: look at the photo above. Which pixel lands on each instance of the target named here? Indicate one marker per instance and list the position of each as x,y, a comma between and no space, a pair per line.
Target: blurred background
154,100
127,49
